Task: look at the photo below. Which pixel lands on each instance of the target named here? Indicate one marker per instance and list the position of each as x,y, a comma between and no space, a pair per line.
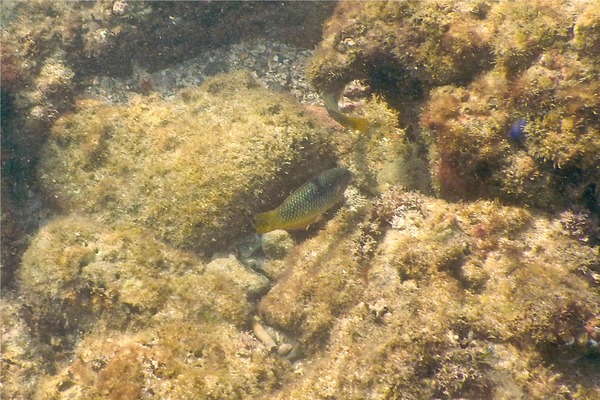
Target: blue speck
517,130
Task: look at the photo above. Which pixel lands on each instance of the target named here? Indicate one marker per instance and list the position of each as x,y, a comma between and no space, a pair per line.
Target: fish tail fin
265,221
360,124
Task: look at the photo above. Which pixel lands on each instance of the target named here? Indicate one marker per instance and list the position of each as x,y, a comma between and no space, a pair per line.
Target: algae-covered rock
194,169
65,39
176,359
22,355
250,282
276,244
78,274
587,33
416,296
324,278
366,153
398,294
139,317
406,43
551,161
501,95
52,51
429,299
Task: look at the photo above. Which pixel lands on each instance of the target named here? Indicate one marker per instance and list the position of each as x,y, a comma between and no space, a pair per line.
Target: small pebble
248,245
277,244
252,283
284,349
283,70
262,335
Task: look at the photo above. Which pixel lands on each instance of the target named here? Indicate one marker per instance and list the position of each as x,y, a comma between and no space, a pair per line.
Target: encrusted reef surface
140,318
420,298
52,51
194,169
463,263
475,68
410,297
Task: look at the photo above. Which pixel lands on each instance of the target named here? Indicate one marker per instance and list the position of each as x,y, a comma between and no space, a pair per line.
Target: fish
307,203
517,130
333,109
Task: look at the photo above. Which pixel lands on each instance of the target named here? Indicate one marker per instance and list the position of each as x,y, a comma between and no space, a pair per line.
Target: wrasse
307,203
517,130
333,109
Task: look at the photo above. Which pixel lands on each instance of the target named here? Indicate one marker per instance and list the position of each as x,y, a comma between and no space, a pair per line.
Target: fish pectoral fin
318,219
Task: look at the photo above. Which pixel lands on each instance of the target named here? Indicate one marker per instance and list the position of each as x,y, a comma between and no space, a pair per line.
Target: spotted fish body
305,205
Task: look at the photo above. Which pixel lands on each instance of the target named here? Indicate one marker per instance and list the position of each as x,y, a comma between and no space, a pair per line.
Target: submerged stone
251,283
277,244
192,169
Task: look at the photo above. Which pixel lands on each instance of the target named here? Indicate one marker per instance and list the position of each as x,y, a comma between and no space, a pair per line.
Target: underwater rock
587,33
52,50
324,273
272,269
78,274
399,295
76,271
86,284
461,73
250,282
193,169
175,359
417,43
277,244
472,145
412,289
22,355
458,303
248,245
